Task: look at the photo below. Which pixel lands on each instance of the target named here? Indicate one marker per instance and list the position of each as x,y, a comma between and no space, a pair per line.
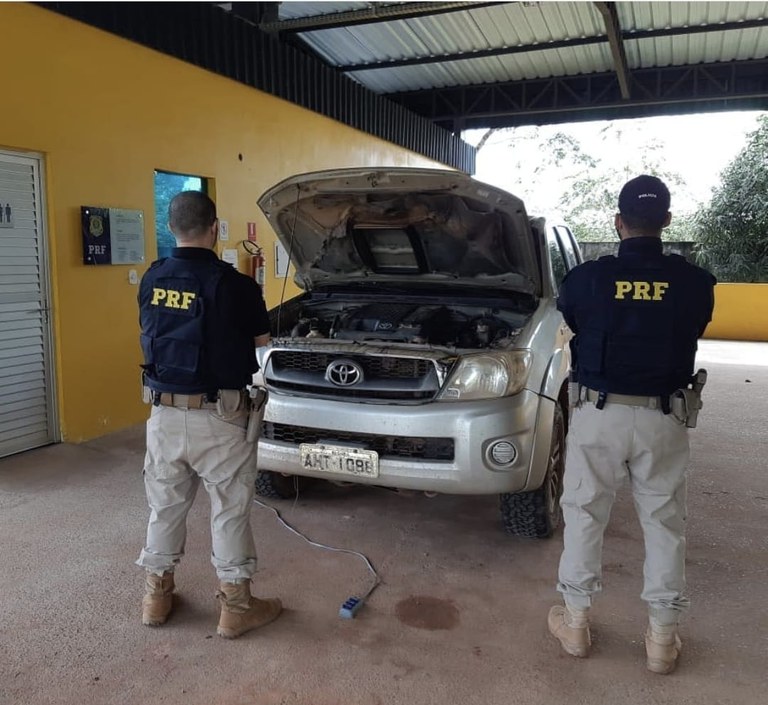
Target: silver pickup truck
426,352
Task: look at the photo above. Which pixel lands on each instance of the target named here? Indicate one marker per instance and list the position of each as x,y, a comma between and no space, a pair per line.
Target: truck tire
273,485
537,514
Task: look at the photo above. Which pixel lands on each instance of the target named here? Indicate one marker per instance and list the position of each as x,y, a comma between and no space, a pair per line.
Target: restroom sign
112,235
6,212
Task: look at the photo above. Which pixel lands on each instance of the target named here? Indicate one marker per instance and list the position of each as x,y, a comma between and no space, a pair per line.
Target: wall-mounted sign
229,255
281,261
6,213
112,235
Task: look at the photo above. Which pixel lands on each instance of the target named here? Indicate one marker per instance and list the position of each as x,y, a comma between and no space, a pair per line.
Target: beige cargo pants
185,447
605,447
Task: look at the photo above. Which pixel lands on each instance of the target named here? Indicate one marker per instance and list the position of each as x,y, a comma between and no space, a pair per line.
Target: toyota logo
344,373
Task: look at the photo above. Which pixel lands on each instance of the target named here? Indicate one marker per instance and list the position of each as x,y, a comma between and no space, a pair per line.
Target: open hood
391,225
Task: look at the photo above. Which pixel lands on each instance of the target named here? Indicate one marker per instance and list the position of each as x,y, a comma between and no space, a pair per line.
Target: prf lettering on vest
641,291
170,298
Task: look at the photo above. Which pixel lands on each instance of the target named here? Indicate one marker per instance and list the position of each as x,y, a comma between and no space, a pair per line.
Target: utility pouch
229,401
259,397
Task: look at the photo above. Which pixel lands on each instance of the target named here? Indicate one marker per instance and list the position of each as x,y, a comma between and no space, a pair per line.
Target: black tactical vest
187,348
638,324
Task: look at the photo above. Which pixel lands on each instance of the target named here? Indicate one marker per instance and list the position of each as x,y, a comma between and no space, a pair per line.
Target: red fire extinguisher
258,263
259,267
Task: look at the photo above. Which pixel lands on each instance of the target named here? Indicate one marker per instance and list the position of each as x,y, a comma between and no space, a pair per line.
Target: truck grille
414,448
384,378
374,366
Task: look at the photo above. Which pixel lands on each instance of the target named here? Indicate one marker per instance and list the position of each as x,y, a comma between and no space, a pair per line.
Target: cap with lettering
644,196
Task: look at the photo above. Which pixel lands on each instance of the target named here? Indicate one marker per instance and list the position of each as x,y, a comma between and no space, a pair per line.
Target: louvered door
27,417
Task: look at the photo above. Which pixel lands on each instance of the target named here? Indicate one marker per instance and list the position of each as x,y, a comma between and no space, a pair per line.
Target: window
559,266
167,185
570,250
388,250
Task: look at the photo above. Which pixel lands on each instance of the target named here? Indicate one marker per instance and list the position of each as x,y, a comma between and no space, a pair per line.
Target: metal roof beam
666,90
378,13
613,30
482,54
558,44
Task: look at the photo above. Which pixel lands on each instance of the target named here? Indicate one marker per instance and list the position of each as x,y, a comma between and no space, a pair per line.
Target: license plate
339,459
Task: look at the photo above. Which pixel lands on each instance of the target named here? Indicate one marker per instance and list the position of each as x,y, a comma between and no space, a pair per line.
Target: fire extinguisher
258,263
259,267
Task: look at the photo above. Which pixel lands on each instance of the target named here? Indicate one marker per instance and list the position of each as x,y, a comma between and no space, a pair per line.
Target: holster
259,397
685,405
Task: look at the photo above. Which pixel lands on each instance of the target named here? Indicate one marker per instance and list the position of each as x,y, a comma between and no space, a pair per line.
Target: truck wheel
276,486
537,514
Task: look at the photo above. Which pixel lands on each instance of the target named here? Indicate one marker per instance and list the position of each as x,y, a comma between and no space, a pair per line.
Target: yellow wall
741,312
106,113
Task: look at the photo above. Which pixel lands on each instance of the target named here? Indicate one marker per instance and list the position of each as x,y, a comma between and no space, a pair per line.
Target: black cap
644,196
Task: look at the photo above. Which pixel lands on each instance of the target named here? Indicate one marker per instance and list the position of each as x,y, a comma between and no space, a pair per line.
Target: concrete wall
105,113
593,250
741,312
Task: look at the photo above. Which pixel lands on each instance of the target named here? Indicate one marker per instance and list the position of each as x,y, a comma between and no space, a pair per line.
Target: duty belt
185,401
625,399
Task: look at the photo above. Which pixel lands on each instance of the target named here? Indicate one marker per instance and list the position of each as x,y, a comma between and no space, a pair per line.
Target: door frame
46,287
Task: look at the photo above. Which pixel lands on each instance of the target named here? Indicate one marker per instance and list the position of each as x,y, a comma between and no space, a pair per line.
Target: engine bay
443,325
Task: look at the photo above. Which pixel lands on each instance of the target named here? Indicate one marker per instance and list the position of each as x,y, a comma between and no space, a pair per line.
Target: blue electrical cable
353,604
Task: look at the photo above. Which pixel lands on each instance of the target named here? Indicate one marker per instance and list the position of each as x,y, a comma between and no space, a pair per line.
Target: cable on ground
353,604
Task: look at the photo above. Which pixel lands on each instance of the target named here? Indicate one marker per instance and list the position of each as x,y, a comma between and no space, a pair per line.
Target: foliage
167,185
733,229
563,179
590,204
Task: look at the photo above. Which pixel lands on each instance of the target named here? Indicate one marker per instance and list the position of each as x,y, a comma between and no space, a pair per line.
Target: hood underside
402,225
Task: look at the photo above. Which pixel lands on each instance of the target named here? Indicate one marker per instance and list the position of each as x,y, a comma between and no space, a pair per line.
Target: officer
636,319
200,323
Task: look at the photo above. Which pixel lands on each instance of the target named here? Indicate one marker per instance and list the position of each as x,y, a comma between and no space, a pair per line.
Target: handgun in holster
686,403
259,397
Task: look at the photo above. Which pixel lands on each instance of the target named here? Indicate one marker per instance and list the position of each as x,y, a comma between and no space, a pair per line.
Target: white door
27,410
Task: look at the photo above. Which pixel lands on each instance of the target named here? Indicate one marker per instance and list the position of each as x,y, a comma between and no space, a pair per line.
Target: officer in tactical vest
636,319
200,323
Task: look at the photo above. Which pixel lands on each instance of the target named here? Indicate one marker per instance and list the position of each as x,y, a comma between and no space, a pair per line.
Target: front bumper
524,420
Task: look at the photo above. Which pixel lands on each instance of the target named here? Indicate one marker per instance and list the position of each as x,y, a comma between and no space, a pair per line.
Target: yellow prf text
641,291
170,298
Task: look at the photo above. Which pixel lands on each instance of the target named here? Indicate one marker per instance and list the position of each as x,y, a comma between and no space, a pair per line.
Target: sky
697,147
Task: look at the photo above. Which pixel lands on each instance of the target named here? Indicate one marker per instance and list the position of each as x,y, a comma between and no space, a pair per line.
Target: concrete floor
460,617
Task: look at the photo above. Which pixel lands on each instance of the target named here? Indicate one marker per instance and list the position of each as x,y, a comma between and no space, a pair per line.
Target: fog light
503,453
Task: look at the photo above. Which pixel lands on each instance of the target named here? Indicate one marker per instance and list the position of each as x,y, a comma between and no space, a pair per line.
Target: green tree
557,176
589,204
733,229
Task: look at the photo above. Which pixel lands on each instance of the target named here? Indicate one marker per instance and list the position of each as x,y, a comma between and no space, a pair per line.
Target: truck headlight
487,376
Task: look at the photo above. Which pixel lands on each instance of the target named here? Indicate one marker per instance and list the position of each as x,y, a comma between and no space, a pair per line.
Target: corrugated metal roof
529,24
635,16
294,10
698,48
512,24
541,64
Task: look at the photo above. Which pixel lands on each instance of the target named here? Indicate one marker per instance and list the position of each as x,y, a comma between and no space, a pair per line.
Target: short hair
644,203
191,213
644,223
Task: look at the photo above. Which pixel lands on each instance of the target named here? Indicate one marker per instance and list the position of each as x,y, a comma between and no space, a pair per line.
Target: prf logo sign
96,225
96,239
112,235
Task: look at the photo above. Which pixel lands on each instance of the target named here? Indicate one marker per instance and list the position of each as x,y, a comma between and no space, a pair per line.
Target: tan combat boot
240,612
570,626
662,647
158,599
